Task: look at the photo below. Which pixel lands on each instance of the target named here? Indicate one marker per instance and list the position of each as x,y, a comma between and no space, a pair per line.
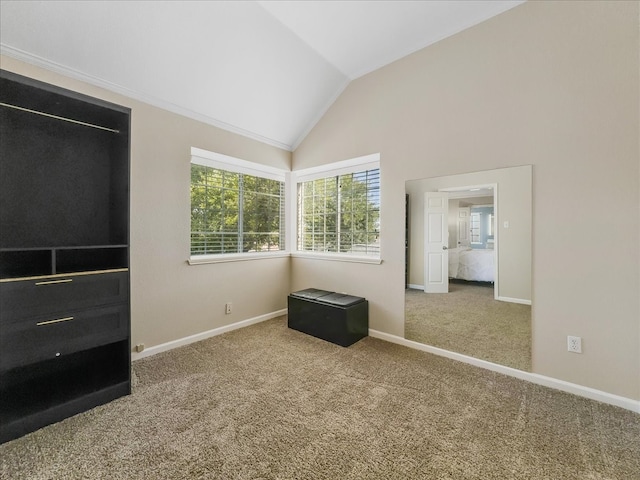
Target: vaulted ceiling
265,69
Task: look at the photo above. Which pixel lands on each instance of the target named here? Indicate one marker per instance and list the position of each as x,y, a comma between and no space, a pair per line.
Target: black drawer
41,338
45,296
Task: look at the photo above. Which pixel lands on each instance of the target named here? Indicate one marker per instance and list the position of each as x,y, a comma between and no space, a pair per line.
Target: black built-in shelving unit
64,254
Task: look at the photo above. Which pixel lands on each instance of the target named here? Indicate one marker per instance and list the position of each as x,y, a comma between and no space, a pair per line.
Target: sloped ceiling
267,70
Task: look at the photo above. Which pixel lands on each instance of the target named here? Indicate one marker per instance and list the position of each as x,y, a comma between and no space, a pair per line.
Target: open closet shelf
33,262
64,254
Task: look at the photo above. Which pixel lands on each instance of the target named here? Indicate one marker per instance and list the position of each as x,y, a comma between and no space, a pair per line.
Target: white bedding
469,264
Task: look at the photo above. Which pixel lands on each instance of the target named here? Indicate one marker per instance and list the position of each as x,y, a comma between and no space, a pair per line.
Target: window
338,211
482,228
236,206
475,228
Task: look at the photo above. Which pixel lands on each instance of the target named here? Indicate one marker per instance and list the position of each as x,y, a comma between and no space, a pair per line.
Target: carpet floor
267,402
470,321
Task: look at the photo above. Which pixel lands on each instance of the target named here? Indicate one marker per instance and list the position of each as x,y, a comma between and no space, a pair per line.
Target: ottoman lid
340,299
311,293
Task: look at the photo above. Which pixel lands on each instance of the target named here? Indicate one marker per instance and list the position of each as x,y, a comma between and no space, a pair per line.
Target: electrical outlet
227,308
574,344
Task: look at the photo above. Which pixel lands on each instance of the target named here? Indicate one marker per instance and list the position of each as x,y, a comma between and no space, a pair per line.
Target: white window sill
234,257
241,257
337,257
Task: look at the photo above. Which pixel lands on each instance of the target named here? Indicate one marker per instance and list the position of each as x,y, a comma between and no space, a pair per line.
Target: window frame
359,164
237,165
475,223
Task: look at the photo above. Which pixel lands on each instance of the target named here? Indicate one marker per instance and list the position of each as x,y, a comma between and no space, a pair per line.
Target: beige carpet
266,402
468,320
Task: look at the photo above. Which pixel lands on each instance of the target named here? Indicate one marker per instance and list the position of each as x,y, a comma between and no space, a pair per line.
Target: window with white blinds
340,213
236,207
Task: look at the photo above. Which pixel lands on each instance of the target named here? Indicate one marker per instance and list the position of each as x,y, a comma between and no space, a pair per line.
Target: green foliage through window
340,214
235,212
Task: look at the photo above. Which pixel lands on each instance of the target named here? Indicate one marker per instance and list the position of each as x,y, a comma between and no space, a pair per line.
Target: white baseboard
163,347
587,392
502,299
514,300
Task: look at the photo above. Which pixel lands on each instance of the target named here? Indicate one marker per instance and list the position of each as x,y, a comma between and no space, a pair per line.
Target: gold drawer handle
51,282
58,320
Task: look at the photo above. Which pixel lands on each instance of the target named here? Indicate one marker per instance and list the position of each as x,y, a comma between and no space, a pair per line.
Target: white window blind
340,213
233,211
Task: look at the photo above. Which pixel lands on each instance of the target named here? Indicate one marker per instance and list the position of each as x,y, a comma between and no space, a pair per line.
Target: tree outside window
340,214
234,212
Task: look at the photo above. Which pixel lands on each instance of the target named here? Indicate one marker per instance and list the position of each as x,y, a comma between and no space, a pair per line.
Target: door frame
465,192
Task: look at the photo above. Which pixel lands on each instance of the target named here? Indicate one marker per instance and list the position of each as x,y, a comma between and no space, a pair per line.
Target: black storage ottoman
334,317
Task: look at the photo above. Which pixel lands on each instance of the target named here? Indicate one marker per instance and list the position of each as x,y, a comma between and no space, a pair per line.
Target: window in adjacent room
482,228
475,228
236,206
338,209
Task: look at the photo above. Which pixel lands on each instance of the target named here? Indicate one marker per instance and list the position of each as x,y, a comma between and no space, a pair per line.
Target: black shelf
59,385
70,260
62,183
62,379
33,262
19,426
64,253
25,263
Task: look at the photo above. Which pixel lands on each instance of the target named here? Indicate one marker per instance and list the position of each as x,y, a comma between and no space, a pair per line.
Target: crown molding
134,94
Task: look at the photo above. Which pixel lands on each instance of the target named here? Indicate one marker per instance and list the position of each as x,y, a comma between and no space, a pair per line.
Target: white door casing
436,241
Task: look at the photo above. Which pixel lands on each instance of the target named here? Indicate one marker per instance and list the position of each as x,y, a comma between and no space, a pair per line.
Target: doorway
480,319
460,238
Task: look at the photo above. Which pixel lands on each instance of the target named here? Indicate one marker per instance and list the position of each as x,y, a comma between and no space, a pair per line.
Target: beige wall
170,299
513,186
549,84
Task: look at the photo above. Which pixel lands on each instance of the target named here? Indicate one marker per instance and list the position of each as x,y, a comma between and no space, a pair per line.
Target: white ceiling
267,69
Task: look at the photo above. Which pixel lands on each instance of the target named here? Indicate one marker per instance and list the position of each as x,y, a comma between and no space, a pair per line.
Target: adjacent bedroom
468,265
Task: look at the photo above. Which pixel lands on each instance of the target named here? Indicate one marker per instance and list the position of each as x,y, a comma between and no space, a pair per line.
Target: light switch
506,224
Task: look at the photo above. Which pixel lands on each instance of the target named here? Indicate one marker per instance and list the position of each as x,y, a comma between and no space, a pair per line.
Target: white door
464,213
436,241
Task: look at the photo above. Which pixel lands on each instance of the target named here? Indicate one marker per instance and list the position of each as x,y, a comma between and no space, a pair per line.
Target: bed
472,264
